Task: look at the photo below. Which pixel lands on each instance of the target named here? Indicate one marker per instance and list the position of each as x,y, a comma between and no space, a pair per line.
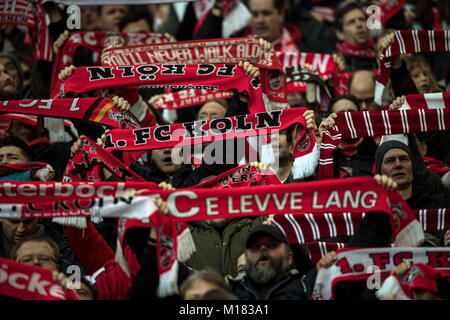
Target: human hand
340,61
327,260
447,238
121,104
402,268
45,174
310,120
76,146
397,103
249,69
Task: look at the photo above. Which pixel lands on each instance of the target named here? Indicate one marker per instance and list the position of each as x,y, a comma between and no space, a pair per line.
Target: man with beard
7,88
269,272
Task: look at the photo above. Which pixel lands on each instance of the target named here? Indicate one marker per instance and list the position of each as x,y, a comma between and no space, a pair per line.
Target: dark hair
136,13
219,294
350,97
342,10
350,80
280,5
207,275
36,238
16,142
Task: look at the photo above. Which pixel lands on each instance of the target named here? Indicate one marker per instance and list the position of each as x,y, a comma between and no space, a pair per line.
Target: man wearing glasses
37,250
362,86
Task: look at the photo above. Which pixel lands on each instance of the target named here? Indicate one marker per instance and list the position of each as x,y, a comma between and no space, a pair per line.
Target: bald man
362,85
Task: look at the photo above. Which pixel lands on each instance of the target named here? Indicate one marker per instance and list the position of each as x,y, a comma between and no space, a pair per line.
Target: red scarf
214,77
389,8
95,42
353,264
31,15
188,98
436,165
94,110
408,41
6,169
358,51
323,62
228,51
352,125
28,282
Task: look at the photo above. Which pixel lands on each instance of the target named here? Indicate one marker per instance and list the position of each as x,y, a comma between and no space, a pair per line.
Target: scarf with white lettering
358,264
189,98
352,125
31,15
323,62
29,282
408,41
191,133
357,51
213,51
95,42
93,110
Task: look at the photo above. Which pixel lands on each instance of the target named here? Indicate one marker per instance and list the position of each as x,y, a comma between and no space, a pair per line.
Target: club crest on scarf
167,252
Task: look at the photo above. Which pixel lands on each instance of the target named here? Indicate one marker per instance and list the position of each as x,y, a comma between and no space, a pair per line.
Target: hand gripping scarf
214,51
408,41
31,15
29,282
352,125
6,169
358,264
93,110
95,42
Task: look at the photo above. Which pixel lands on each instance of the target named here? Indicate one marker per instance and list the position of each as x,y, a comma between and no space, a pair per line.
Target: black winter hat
268,229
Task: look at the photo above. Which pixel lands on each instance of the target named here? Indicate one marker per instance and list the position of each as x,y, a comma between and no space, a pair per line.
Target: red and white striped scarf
318,249
408,41
352,125
213,51
95,42
94,110
358,264
31,15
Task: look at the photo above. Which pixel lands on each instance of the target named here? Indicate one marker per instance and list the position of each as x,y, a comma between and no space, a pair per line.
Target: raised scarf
213,51
31,15
95,42
355,264
29,282
408,41
357,51
352,125
389,8
93,110
6,169
435,165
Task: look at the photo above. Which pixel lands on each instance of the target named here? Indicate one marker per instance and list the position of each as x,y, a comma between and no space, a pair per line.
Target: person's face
421,80
84,293
397,165
344,105
111,16
89,20
11,69
12,154
23,131
138,26
266,21
6,82
211,110
38,254
17,229
267,259
162,158
354,28
198,290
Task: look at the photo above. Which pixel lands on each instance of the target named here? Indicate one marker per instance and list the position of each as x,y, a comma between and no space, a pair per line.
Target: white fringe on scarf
306,165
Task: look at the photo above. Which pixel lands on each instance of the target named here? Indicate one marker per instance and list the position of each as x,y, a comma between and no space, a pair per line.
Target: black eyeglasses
42,258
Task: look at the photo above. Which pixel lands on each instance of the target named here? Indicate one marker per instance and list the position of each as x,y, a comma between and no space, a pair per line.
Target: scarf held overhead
31,15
